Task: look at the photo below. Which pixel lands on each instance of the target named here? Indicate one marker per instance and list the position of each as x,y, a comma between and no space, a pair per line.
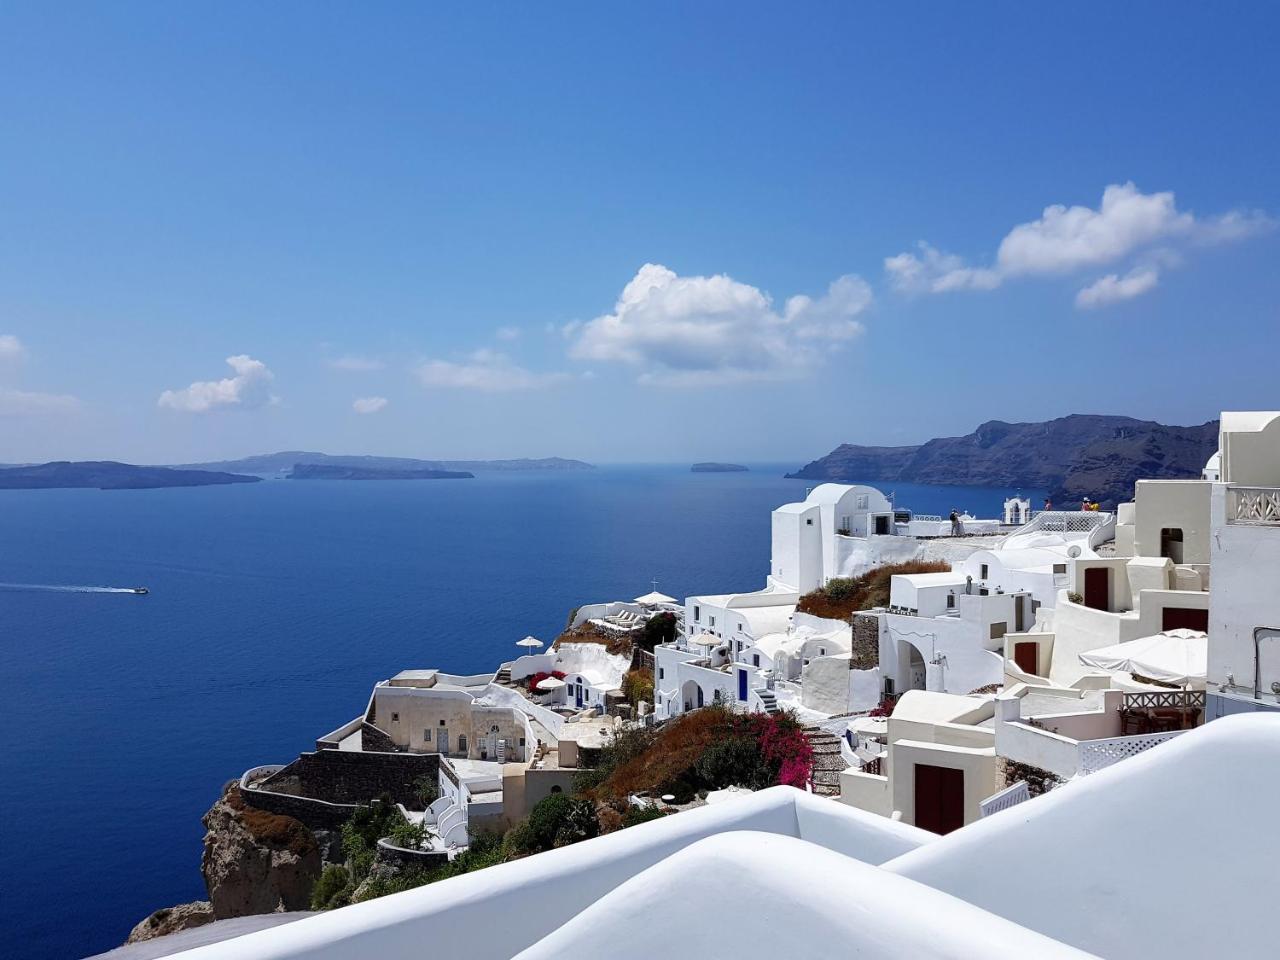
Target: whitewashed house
1244,591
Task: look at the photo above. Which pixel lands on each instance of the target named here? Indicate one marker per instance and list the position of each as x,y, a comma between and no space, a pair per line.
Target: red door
939,798
1025,656
1173,618
1097,587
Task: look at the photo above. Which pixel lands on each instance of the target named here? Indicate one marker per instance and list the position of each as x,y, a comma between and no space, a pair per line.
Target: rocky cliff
1082,455
254,862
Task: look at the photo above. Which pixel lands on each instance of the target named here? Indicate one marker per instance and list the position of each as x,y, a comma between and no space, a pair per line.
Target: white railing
1097,755
1064,521
1260,505
1010,796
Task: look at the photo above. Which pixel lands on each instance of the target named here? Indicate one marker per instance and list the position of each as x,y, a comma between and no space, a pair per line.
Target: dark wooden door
939,798
1174,618
1097,587
1024,655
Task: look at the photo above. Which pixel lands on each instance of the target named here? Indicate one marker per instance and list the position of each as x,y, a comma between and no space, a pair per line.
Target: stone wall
1038,781
376,740
323,788
865,654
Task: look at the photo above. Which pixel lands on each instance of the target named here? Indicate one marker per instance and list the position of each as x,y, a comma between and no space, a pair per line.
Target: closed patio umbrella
1174,656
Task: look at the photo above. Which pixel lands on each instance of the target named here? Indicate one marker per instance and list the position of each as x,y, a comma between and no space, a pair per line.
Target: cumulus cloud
22,402
11,348
368,404
1066,239
249,387
356,364
713,330
1113,288
483,370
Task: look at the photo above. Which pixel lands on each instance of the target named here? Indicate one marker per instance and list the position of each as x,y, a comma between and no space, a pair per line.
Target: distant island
277,464
330,471
718,468
109,475
1082,455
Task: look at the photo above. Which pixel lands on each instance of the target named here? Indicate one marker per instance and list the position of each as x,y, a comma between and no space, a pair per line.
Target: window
1171,543
809,522
556,789
1059,568
822,651
739,627
983,572
998,630
711,620
522,741
951,601
395,718
442,723
662,673
426,735
697,613
755,659
462,743
862,501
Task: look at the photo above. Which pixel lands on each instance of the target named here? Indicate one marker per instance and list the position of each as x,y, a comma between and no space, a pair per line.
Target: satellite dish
1073,552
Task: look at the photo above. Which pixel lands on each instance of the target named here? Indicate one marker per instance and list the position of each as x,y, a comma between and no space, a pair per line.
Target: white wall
1244,595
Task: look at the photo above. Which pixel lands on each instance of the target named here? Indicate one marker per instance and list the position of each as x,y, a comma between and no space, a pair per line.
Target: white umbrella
705,640
653,599
550,683
1175,656
529,642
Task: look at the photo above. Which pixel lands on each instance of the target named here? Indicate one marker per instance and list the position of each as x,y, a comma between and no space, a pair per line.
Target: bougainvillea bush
536,678
710,749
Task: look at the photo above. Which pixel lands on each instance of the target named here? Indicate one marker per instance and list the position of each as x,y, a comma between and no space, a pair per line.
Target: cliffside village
1041,649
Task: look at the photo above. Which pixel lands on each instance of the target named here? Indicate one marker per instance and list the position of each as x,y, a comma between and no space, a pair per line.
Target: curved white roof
856,910
835,492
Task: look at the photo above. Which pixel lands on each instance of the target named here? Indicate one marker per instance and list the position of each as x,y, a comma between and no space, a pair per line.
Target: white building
810,538
1244,538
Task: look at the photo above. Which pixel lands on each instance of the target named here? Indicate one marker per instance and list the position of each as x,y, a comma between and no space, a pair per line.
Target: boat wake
57,588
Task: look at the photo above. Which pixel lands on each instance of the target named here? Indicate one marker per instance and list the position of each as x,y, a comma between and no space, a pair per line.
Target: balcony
1254,506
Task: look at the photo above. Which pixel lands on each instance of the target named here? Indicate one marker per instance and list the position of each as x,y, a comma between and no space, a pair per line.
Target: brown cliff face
254,861
185,916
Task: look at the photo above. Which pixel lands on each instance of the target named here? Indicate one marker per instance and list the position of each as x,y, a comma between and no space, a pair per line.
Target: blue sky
423,229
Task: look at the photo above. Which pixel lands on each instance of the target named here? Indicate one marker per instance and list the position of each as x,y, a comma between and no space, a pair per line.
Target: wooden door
939,798
1025,655
1097,588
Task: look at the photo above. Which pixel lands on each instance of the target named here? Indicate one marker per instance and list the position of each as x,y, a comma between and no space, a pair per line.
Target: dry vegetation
273,829
615,643
844,596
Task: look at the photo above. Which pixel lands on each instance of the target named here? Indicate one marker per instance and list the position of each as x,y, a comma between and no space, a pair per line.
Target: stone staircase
827,761
769,701
503,676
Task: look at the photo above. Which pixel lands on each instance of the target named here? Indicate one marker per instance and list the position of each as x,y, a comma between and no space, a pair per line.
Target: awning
1175,656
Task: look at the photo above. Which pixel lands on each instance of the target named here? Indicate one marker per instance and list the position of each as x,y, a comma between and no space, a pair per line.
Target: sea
273,609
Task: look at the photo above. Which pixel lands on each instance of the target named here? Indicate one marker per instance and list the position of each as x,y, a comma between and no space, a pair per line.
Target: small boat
140,590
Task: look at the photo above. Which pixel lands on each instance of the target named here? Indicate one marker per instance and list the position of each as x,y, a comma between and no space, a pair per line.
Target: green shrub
333,889
555,821
639,815
410,836
736,761
660,628
427,789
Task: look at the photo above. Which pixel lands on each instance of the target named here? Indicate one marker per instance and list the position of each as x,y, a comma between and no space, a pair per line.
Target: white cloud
11,348
20,402
1066,239
1113,288
368,404
484,370
508,333
707,331
356,364
250,387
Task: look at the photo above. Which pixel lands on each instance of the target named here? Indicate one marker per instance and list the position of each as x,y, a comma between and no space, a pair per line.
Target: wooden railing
1165,700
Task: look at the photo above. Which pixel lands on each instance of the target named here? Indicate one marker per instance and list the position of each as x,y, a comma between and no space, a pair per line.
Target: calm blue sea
273,609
